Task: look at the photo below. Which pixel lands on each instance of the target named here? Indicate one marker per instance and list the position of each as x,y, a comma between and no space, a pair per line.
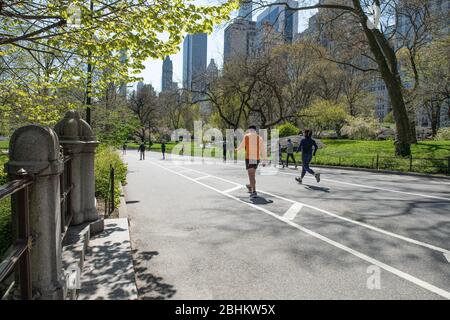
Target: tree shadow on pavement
150,286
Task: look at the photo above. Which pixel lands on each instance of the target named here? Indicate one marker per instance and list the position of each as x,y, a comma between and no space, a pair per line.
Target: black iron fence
381,162
110,196
18,257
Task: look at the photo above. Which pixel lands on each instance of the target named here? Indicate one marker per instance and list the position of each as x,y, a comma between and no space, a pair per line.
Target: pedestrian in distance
163,150
224,150
124,149
290,153
308,147
254,151
141,150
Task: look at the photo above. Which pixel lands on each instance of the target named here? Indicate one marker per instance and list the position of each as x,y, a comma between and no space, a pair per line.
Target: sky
153,68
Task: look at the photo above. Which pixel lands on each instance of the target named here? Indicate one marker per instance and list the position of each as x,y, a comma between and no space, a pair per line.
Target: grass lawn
427,156
4,144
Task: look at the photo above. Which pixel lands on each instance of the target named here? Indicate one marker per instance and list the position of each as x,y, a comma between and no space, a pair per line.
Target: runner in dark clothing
306,148
141,150
124,149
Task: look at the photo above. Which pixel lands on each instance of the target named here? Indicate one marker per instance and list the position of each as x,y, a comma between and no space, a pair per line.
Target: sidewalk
108,272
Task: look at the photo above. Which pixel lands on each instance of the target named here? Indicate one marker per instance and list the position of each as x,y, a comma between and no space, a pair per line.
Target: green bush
443,134
5,214
359,128
105,157
287,129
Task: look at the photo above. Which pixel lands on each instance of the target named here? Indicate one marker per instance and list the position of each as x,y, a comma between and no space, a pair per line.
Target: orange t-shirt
253,144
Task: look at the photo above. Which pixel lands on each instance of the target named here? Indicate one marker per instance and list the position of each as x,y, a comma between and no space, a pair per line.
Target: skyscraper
195,49
282,20
167,75
245,11
239,39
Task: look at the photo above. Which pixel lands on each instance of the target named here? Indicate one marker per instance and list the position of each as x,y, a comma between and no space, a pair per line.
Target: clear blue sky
153,68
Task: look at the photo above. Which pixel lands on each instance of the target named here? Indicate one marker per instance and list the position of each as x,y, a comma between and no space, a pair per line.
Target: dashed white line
421,283
233,189
292,212
201,178
361,224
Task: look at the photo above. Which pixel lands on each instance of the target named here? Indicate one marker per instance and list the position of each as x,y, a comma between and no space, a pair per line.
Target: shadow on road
150,287
316,188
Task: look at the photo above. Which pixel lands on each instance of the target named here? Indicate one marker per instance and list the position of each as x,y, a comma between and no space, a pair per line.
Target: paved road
197,235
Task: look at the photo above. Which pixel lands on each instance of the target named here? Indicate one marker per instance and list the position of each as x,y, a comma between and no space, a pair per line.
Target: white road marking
292,212
368,226
376,188
447,256
233,189
201,178
421,283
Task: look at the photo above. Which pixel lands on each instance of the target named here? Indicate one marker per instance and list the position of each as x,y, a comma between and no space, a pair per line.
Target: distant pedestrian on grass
290,153
308,148
141,150
124,149
163,150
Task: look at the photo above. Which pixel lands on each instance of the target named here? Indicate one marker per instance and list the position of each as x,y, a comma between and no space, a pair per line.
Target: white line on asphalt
421,283
233,189
368,226
292,212
377,188
201,178
447,256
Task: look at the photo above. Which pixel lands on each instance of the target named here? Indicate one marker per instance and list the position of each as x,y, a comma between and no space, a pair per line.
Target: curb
400,173
123,213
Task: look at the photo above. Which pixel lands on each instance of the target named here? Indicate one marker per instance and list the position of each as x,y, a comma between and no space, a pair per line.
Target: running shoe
249,188
317,175
299,180
253,195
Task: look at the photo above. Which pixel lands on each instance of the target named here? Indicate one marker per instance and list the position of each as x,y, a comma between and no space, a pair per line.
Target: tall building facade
282,20
195,50
167,75
239,39
246,10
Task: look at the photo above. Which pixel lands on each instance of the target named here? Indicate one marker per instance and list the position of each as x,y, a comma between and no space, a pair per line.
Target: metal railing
66,187
380,162
19,253
109,199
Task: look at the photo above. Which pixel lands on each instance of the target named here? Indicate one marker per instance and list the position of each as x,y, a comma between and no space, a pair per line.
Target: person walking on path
290,153
224,150
254,151
124,149
141,150
163,150
308,148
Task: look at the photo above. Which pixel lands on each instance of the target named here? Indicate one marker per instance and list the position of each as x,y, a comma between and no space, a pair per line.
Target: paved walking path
108,272
196,234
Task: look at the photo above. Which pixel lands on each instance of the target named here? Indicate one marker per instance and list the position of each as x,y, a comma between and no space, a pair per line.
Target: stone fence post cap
73,128
34,148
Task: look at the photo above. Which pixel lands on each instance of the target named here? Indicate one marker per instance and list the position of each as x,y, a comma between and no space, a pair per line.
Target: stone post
36,149
77,139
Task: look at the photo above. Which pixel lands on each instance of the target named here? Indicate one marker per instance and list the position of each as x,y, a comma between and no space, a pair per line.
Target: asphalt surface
355,235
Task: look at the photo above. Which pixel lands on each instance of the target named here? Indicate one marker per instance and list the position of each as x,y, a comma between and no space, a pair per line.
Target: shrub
5,214
361,128
323,115
287,129
105,157
443,134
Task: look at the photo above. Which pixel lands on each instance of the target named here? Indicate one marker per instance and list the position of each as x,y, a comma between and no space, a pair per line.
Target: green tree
287,129
324,114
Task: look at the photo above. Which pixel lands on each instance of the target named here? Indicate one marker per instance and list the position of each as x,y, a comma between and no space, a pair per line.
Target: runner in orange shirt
254,150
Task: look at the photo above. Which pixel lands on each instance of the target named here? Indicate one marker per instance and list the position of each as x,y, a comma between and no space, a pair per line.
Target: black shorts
251,165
